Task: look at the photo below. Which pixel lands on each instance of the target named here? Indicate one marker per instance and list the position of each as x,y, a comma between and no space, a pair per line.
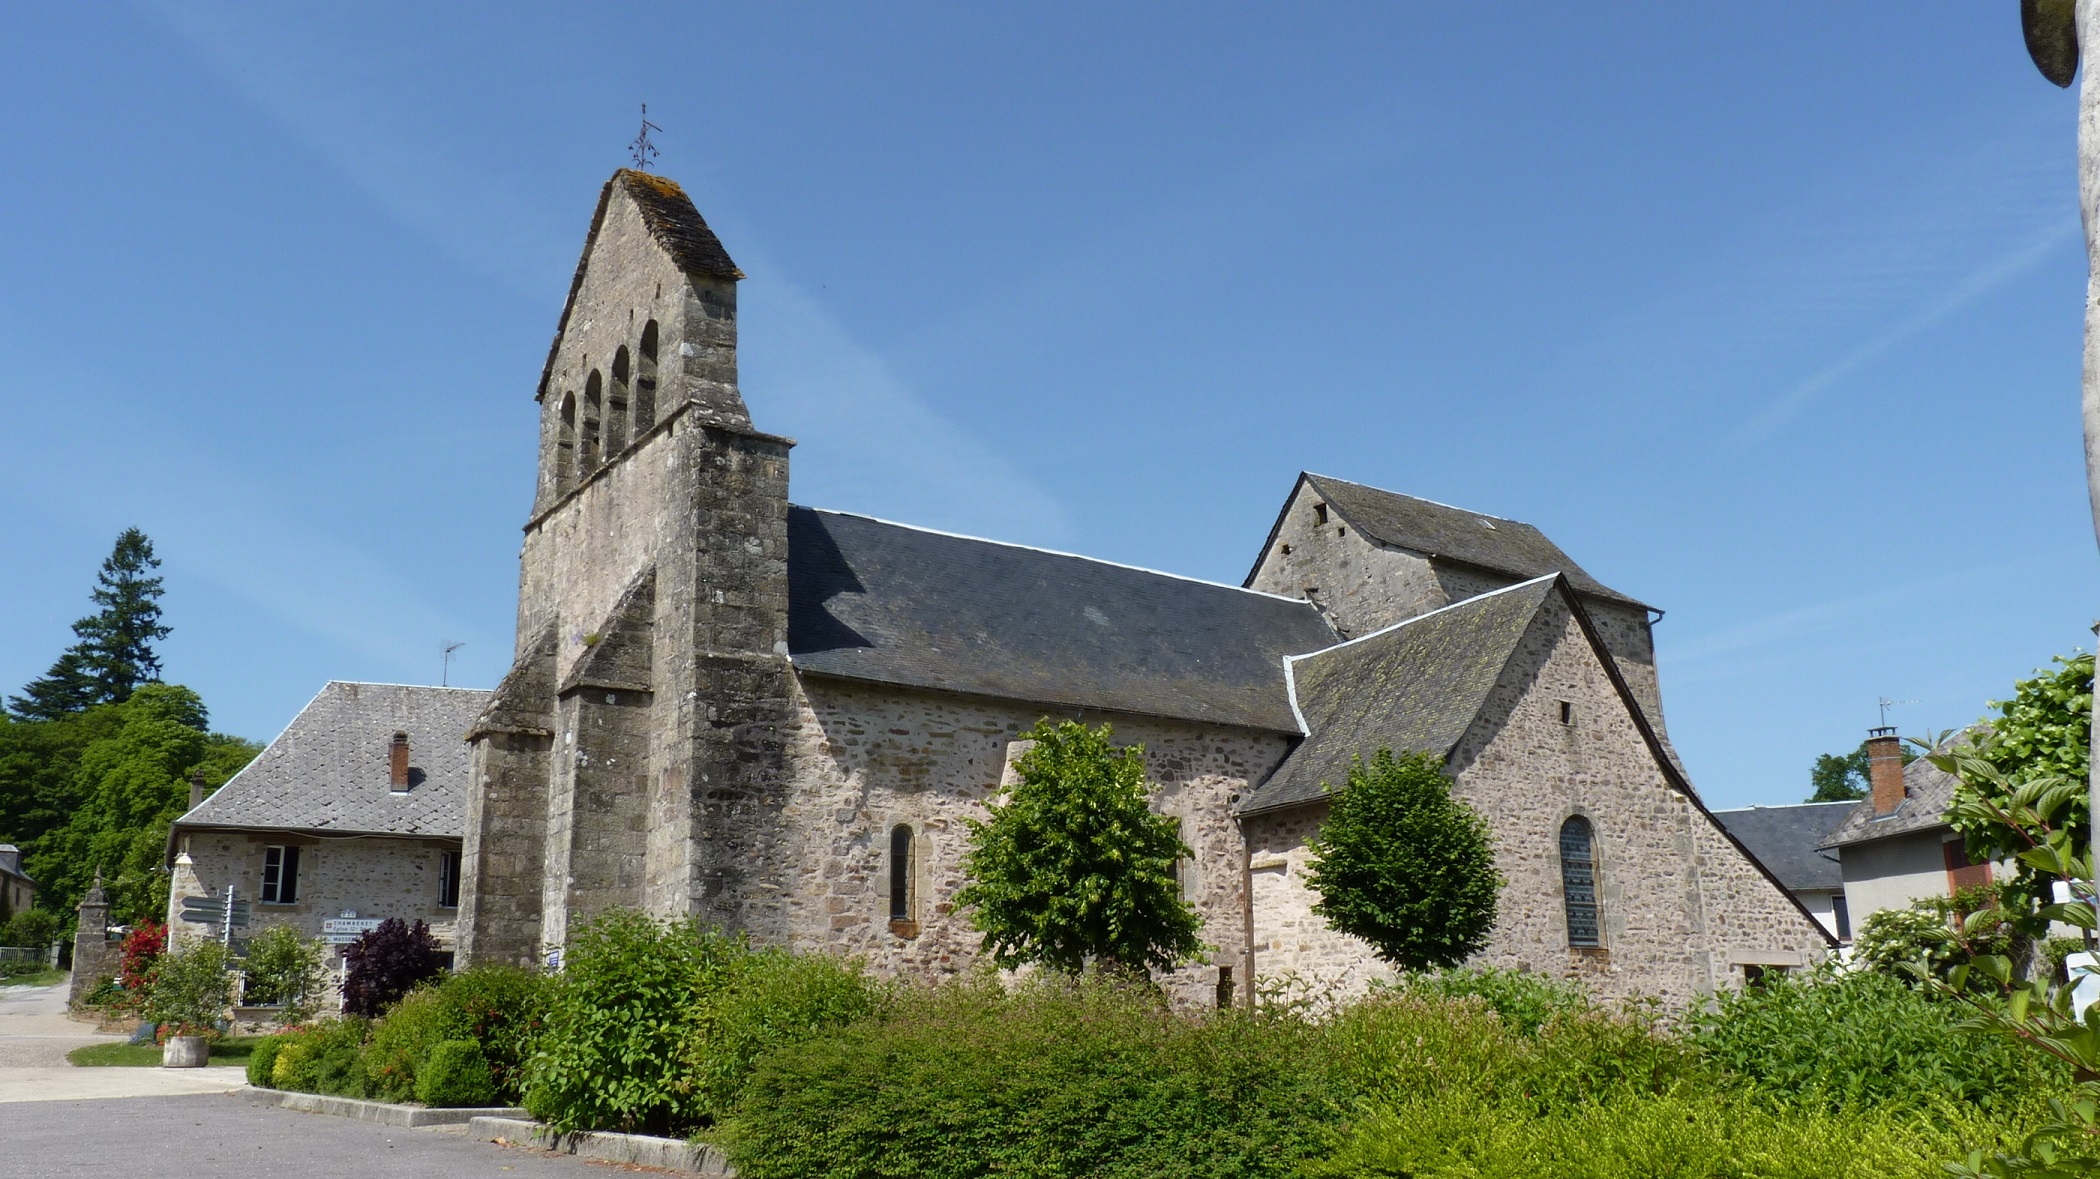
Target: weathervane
643,151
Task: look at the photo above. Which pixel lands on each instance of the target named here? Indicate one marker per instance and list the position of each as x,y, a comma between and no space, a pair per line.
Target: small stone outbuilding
354,813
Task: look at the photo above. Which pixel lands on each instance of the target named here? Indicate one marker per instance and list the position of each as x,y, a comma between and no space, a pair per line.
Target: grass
35,978
233,1051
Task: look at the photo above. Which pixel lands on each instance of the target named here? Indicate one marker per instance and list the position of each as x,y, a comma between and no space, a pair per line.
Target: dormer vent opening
1319,513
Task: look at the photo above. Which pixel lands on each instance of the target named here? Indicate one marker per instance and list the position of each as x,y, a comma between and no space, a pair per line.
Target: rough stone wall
500,897
376,877
1681,908
1358,583
863,759
628,281
1363,585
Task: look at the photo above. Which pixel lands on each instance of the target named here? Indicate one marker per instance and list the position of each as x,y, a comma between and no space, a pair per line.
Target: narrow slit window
593,421
1578,881
645,381
616,405
448,879
280,880
1320,513
900,873
565,445
1567,712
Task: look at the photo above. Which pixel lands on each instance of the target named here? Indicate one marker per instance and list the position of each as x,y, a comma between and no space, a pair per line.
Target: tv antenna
445,671
1887,704
641,150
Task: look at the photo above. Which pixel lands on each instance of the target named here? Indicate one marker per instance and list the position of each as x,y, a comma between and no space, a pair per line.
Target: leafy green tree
2042,734
1845,778
1405,866
130,782
1073,865
114,652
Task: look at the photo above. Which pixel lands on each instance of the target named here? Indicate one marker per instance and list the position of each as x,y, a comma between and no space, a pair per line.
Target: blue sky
1768,314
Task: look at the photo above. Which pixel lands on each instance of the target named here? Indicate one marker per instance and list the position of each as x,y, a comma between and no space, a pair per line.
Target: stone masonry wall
1364,585
375,877
1680,907
863,759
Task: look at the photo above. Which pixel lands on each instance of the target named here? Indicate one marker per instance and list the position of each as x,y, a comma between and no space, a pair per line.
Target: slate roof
1928,791
1414,687
1439,530
328,772
872,600
1788,840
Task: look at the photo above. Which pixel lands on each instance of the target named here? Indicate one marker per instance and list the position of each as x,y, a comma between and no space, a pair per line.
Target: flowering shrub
143,947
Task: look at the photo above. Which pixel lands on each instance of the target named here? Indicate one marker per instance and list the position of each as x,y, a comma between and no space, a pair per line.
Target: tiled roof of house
1471,538
1928,791
1788,840
1411,688
872,600
329,770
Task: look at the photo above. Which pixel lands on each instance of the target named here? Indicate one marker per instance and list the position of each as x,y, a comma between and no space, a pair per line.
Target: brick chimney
196,789
397,763
1885,770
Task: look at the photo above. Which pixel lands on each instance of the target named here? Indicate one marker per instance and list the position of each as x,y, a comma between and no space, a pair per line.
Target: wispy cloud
1987,277
869,441
1800,623
1785,314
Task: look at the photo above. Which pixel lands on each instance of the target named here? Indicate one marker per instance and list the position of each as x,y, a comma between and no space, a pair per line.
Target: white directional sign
341,931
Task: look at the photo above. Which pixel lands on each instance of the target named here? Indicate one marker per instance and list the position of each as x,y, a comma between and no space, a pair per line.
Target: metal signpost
226,912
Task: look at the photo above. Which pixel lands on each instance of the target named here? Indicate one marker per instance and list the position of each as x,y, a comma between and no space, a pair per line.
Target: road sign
350,926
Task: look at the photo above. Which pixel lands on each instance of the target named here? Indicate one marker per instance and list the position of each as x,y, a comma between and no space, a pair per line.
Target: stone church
778,717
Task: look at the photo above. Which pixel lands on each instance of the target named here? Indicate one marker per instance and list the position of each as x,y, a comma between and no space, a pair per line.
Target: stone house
17,890
1788,840
356,811
778,718
1895,846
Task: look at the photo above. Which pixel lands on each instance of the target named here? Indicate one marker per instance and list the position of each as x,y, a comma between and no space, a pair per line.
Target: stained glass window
1578,881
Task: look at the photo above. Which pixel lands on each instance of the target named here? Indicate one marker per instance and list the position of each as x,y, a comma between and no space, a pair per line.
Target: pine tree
114,654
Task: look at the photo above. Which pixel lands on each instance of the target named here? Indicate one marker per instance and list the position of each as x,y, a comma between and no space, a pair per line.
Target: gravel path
36,1032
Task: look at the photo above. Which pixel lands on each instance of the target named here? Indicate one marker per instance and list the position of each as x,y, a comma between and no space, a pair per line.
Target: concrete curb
414,1116
672,1154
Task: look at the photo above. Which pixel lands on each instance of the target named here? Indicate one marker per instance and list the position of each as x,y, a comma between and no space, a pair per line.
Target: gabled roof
1412,688
675,224
872,600
1454,534
1788,839
1928,791
329,772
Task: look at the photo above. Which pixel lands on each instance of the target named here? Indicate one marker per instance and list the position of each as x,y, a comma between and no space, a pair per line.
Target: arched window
1578,881
616,405
565,445
593,415
645,381
901,898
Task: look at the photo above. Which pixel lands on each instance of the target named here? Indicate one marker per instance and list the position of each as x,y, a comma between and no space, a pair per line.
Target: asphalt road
219,1136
